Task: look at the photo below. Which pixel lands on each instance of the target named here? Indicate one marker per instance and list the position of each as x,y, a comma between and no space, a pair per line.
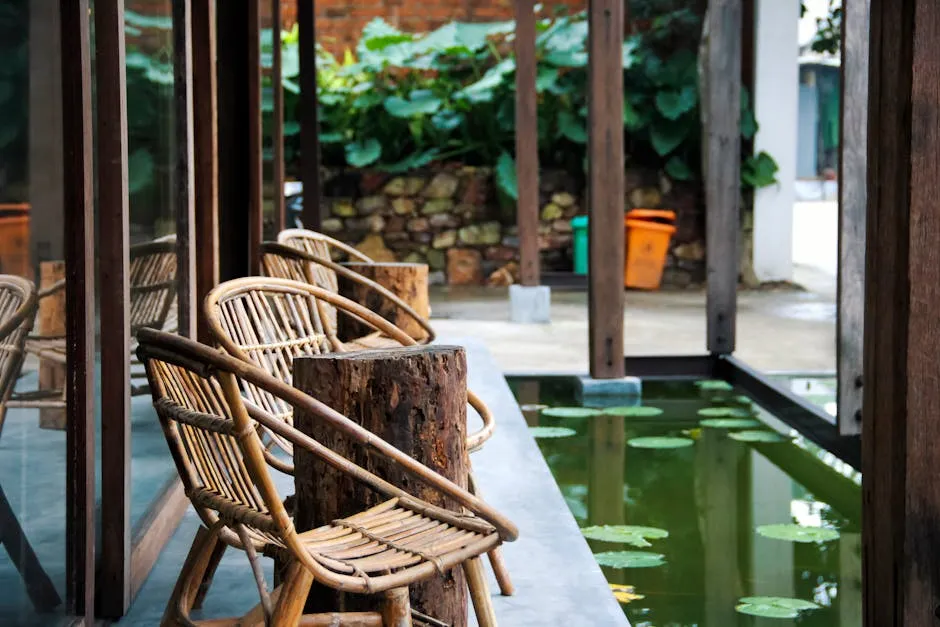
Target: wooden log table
414,398
408,281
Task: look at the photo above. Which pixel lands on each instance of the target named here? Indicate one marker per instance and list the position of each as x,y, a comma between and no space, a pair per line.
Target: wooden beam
79,245
277,120
309,119
605,188
850,316
901,401
527,144
721,92
233,138
205,153
255,138
185,198
114,291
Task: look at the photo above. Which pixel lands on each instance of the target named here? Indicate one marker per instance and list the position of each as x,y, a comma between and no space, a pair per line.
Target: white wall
776,105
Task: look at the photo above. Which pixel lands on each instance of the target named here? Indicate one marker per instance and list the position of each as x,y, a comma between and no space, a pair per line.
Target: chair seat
374,340
51,348
368,547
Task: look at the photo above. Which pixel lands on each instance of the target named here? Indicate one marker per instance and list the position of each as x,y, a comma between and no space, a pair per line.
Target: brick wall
340,22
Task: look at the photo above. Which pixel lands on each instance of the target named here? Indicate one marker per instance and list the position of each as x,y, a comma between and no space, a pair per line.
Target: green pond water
713,501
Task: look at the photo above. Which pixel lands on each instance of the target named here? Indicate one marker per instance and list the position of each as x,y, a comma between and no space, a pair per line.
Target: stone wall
454,220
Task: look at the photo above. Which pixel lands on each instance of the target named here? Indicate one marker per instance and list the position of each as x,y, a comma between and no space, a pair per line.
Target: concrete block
530,304
610,392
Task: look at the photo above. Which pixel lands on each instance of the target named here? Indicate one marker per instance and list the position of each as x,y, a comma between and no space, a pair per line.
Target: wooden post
277,120
309,120
185,198
79,247
414,398
902,338
51,322
605,188
205,153
527,150
720,63
408,281
255,154
850,316
114,291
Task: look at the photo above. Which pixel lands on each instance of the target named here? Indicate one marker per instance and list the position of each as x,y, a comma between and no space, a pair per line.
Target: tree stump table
408,281
414,398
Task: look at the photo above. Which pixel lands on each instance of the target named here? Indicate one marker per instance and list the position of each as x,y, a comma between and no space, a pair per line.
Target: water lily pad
627,534
569,412
798,533
551,432
660,442
742,400
636,411
774,607
716,412
630,559
730,423
625,594
714,385
533,407
757,436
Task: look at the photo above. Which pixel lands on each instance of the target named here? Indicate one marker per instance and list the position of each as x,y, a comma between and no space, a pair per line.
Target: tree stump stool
408,281
50,322
414,398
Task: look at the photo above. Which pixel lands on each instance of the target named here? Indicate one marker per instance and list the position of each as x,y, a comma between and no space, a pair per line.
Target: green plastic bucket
579,225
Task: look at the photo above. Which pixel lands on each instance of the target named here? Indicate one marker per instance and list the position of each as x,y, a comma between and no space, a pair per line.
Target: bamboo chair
18,304
213,438
269,322
152,278
287,262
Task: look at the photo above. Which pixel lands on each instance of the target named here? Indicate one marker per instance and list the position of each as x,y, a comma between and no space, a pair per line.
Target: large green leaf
546,79
660,442
140,20
483,89
714,385
666,136
419,102
461,37
729,423
633,411
572,127
506,179
570,412
757,436
677,169
447,120
139,170
362,153
551,432
774,607
413,161
759,171
673,103
625,534
798,533
630,559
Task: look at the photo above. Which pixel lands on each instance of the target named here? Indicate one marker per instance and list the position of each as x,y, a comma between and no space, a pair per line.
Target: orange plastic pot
648,233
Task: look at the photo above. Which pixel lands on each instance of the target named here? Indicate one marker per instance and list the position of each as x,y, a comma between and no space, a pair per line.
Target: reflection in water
710,497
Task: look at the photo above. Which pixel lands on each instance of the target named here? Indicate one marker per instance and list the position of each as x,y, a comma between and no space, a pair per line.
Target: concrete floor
777,330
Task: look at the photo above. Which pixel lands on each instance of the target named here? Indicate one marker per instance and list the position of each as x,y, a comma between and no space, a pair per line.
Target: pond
734,522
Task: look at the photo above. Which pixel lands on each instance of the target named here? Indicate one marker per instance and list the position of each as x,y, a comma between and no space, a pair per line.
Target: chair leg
496,555
39,587
479,592
217,552
293,595
396,610
190,580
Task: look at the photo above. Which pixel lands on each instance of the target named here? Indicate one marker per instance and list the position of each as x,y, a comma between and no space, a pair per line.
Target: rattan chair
299,264
214,441
18,303
268,322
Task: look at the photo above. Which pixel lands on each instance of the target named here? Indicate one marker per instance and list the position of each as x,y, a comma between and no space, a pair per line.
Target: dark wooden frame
113,251
79,248
277,121
309,122
605,188
527,150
